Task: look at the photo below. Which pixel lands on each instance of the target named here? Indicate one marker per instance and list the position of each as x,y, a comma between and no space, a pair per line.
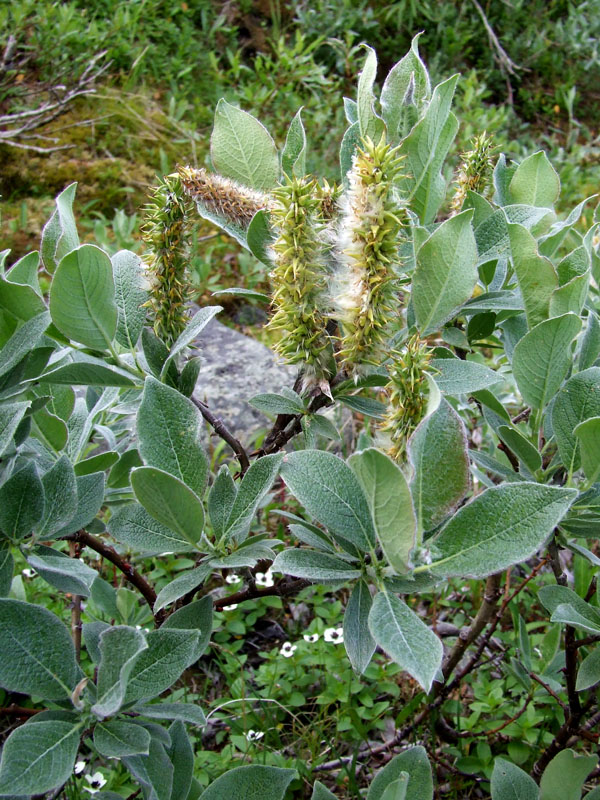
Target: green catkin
475,171
363,287
164,231
407,394
222,196
298,279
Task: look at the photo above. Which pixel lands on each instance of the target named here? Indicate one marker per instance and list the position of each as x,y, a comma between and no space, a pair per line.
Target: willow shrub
471,339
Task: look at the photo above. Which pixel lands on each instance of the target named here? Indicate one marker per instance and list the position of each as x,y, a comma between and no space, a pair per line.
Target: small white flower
139,628
230,608
233,578
254,736
334,635
265,578
311,637
287,649
96,781
79,767
29,573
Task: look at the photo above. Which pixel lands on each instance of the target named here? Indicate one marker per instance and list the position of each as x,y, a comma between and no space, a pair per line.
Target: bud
298,280
407,392
366,246
475,171
164,231
222,196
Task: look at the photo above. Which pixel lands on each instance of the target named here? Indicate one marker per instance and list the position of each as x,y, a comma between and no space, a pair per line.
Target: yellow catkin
222,196
475,171
363,287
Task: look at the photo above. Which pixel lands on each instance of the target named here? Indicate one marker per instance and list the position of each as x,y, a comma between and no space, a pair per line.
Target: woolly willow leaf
554,596
66,574
406,83
60,498
253,782
536,274
7,565
52,431
272,403
588,674
390,503
130,295
589,621
59,235
405,638
350,110
255,484
23,340
38,758
455,376
535,182
37,654
182,584
249,293
181,755
370,123
116,738
241,148
521,447
358,641
259,238
25,271
11,415
439,457
542,358
99,463
186,712
169,501
396,790
220,500
565,775
169,430
194,616
502,526
21,503
446,272
321,792
415,764
132,525
491,235
425,148
350,143
154,771
577,400
509,782
588,433
87,371
192,330
331,493
90,499
119,648
590,343
293,156
156,669
574,273
314,566
17,304
364,405
82,297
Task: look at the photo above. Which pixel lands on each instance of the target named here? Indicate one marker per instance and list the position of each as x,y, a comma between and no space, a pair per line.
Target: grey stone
234,369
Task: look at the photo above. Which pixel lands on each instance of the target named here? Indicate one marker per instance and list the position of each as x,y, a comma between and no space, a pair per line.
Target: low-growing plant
464,327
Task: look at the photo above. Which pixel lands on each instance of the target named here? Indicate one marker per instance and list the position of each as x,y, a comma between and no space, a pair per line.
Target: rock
234,369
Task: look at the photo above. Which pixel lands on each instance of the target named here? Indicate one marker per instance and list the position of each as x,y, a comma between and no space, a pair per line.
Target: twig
130,573
550,691
468,635
20,711
282,588
221,430
75,610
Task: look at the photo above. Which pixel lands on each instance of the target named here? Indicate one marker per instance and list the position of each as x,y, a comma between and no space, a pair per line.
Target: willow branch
130,573
282,588
221,430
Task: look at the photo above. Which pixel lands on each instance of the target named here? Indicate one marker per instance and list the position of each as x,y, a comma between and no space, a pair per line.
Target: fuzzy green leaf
535,182
59,235
36,652
293,156
253,782
21,503
390,502
130,295
415,764
405,638
536,274
82,298
116,738
588,433
358,641
370,123
132,525
542,358
11,415
241,148
446,272
255,484
577,400
169,429
314,566
119,648
331,493
509,782
565,775
502,526
38,757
